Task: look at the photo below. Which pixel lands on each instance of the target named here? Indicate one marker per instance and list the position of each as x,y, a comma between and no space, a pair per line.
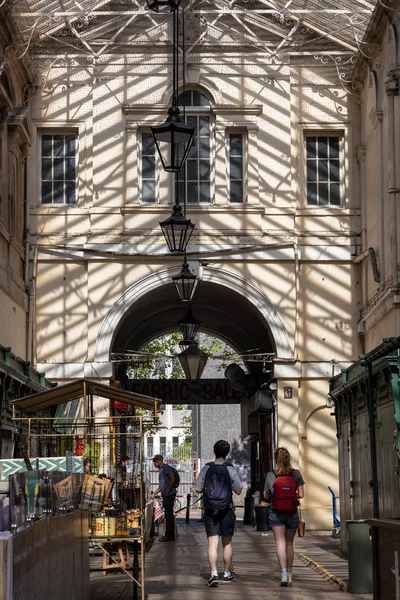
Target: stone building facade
274,189
17,377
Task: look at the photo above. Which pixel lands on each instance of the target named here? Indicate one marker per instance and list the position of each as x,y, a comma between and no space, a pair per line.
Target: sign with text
182,391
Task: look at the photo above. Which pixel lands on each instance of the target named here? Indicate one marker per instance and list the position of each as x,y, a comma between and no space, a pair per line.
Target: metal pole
135,569
372,442
187,508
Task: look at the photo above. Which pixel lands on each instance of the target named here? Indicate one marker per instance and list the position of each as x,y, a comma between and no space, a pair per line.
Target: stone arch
203,85
265,308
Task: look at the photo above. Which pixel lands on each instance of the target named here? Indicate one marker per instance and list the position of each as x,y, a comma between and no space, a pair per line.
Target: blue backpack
217,491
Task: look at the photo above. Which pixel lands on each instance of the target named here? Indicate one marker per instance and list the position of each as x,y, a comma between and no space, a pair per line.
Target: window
148,169
175,443
150,447
58,172
198,164
323,170
236,189
163,445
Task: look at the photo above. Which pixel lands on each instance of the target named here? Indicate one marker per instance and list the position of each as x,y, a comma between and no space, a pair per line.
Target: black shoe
213,581
166,538
229,578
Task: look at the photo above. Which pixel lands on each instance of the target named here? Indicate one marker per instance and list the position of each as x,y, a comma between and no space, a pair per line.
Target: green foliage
161,367
187,423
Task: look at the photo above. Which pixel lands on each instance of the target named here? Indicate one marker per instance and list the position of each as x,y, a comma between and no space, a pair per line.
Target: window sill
51,209
194,208
327,210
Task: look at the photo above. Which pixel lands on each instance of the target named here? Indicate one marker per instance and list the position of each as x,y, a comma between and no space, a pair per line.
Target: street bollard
187,508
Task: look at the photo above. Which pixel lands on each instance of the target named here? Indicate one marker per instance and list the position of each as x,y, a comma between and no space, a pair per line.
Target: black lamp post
177,229
163,6
193,361
173,138
189,326
185,283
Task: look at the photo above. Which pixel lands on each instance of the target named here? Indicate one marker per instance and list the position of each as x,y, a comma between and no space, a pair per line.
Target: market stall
102,477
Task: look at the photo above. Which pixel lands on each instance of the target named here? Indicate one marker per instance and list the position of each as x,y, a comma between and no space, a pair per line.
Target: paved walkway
180,570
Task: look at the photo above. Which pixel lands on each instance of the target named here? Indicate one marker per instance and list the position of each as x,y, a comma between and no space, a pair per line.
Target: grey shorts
221,522
290,520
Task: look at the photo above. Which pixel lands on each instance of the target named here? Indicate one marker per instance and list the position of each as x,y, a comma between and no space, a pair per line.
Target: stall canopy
82,388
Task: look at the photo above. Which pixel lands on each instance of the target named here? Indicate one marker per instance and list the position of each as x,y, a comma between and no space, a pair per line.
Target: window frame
326,130
243,132
199,111
142,202
42,131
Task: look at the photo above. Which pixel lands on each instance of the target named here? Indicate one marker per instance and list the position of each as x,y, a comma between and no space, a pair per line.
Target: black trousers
168,504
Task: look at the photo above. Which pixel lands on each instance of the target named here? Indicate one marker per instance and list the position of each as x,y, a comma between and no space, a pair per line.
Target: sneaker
284,579
229,578
213,581
289,578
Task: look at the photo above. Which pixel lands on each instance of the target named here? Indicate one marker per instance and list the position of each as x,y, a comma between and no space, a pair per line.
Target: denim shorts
290,520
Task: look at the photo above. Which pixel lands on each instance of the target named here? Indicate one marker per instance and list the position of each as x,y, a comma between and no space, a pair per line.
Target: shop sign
181,391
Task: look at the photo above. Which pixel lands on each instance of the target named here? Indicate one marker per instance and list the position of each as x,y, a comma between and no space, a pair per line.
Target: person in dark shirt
168,493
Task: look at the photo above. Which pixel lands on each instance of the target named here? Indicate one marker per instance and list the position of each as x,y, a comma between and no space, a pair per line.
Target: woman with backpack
283,490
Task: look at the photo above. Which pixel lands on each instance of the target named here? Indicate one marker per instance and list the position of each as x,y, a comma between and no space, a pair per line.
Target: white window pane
236,191
205,170
47,145
334,171
58,169
323,193
236,167
335,194
322,170
312,197
322,147
204,147
193,152
311,144
70,169
204,126
236,144
47,192
47,173
334,147
192,170
70,145
148,167
58,188
58,143
205,192
149,191
311,170
148,145
192,192
70,192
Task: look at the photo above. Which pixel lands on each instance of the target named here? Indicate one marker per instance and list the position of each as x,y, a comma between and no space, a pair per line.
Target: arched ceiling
95,29
221,311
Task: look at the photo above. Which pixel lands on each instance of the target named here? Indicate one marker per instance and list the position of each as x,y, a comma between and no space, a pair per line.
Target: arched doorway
228,307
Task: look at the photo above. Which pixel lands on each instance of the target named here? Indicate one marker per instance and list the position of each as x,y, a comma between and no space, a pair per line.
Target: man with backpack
217,480
168,483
